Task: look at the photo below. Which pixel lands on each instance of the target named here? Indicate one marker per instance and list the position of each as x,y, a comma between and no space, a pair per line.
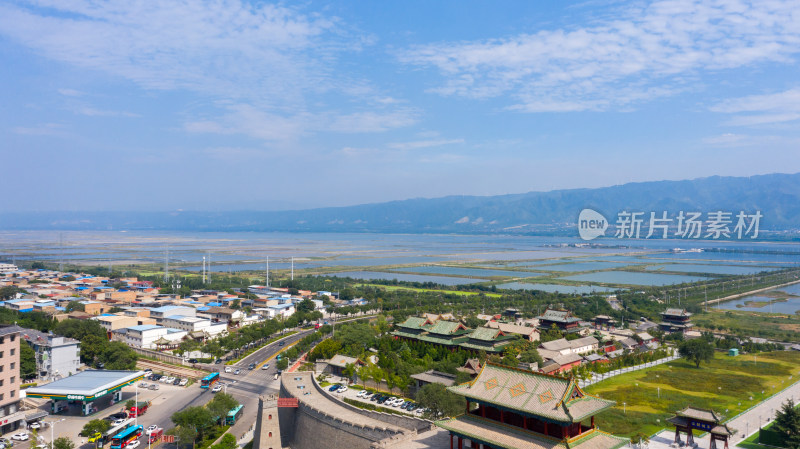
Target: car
120,415
6,442
217,388
22,436
154,387
276,376
155,377
236,372
183,382
361,393
375,397
342,389
217,362
333,388
367,395
177,381
148,370
144,385
265,367
193,361
228,369
151,429
281,343
117,422
251,366
133,444
35,425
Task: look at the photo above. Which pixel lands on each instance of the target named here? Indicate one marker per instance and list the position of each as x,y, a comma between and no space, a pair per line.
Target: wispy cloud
423,144
650,52
93,112
762,109
44,129
731,140
269,61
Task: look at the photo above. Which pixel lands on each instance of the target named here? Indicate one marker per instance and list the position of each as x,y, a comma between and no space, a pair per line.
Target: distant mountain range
777,196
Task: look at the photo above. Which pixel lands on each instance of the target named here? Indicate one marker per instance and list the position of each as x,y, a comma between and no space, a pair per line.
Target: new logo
591,224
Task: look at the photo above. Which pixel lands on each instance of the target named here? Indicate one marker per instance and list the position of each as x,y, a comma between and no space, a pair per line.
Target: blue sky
251,105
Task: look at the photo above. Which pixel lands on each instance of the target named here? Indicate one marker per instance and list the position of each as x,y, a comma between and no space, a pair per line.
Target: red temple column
483,411
592,421
467,406
525,422
460,443
563,431
451,441
545,427
502,416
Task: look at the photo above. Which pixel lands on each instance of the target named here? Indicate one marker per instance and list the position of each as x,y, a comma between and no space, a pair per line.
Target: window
13,338
1,382
2,340
13,351
1,354
13,393
1,368
13,364
1,398
12,379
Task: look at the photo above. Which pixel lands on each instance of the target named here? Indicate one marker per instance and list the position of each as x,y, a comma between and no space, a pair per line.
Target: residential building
431,377
195,325
578,346
113,322
145,336
56,356
224,315
11,415
8,268
528,333
159,313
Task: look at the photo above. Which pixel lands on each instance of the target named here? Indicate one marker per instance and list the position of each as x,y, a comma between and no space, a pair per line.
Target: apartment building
11,415
56,356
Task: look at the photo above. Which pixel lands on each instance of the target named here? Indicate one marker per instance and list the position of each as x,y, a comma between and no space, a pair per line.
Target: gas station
85,390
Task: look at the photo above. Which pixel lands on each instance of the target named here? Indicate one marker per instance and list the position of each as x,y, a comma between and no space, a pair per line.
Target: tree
305,306
531,356
696,350
787,424
228,441
27,361
91,348
439,401
75,305
196,420
222,404
63,443
283,363
8,292
118,356
130,403
94,426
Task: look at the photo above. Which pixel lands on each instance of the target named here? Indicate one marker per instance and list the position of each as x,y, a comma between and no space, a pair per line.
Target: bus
124,438
209,380
234,415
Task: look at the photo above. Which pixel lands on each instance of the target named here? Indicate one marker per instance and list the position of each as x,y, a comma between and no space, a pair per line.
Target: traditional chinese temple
562,319
487,339
446,333
519,409
675,320
691,418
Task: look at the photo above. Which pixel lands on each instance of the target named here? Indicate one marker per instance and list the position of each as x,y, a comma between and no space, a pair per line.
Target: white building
8,268
562,346
195,324
145,336
159,313
284,310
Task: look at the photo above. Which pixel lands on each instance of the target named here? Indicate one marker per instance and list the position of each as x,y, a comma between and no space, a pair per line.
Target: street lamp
52,425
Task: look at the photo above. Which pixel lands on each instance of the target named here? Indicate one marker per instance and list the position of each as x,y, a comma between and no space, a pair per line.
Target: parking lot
353,395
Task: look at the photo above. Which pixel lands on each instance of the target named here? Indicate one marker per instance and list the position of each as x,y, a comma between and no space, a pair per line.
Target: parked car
144,385
22,436
228,369
342,389
217,388
361,394
177,381
333,388
236,372
133,444
265,367
375,397
183,382
217,362
35,425
251,366
154,387
193,361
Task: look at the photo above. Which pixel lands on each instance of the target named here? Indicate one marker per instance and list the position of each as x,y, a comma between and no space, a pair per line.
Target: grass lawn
729,385
763,324
450,292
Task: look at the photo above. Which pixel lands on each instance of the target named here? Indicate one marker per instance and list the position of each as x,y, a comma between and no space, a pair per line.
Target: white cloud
93,112
731,140
762,109
260,64
423,144
44,129
647,52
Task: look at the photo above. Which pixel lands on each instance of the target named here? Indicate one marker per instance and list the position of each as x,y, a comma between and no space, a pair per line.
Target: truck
139,409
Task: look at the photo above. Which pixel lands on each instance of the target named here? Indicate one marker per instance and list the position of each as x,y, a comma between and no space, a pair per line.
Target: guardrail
601,377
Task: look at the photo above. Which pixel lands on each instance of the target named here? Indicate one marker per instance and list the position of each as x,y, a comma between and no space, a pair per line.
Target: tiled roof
447,327
413,322
558,315
496,434
676,312
533,393
487,334
512,328
701,414
343,360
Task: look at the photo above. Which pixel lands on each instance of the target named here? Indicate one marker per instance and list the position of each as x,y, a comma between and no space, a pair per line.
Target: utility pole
204,270
267,278
293,268
166,264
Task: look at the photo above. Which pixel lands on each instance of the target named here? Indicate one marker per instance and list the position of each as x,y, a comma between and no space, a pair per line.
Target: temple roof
499,435
536,394
562,316
414,322
447,328
487,334
700,414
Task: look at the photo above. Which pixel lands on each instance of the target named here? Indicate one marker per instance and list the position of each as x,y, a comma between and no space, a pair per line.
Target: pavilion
703,420
520,409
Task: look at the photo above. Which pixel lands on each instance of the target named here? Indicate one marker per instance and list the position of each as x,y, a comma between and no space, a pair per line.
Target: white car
183,382
228,369
217,388
151,429
117,422
236,373
362,394
35,425
265,367
133,444
22,436
341,389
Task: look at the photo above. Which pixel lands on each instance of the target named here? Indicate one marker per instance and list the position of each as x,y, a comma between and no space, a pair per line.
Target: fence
600,377
169,358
